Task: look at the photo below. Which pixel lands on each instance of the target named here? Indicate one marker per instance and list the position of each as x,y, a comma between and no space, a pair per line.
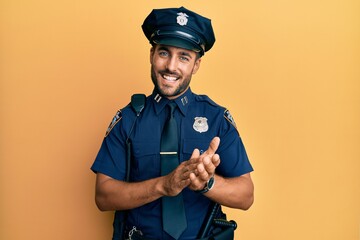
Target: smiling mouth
170,78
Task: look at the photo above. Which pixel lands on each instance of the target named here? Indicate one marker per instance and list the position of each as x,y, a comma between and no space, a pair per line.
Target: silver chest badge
200,124
182,19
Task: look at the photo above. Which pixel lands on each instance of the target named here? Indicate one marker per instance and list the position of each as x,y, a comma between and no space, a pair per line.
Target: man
212,165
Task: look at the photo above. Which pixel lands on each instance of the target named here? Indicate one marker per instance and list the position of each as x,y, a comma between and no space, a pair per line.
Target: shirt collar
182,101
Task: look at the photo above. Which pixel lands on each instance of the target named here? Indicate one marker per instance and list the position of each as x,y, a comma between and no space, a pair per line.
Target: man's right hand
177,180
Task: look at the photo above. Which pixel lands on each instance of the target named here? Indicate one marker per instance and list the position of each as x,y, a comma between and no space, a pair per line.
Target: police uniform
199,120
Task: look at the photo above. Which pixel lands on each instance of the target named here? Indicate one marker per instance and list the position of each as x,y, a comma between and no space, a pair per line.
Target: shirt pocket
190,144
146,160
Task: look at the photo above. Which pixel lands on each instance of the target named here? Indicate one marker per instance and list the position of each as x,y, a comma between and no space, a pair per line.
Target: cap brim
176,42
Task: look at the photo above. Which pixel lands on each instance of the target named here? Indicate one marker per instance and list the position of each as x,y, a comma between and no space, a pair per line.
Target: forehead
173,49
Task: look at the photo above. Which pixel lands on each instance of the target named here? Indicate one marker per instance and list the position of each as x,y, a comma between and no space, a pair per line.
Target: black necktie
173,211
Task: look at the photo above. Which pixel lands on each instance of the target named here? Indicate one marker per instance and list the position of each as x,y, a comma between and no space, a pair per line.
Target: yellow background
289,71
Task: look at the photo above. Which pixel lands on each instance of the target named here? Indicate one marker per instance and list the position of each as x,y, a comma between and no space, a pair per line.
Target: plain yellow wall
289,71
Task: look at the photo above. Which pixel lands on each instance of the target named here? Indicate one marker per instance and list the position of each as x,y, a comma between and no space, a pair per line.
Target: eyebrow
182,53
185,54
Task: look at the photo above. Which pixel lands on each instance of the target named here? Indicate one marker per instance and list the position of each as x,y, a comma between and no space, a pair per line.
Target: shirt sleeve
233,156
111,158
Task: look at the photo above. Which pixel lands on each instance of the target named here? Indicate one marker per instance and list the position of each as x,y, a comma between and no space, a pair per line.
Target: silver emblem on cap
200,124
182,19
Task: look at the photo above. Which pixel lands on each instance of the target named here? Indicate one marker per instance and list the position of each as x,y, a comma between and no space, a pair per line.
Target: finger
193,169
184,183
195,154
216,160
202,172
213,146
194,158
192,177
196,183
209,167
190,165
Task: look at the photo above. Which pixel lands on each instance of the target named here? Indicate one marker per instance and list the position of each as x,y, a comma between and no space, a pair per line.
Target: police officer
212,162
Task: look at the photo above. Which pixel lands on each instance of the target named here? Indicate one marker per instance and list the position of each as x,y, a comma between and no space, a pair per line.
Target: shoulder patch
114,121
228,117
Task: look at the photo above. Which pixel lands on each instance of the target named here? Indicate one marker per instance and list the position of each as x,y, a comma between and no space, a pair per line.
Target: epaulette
205,98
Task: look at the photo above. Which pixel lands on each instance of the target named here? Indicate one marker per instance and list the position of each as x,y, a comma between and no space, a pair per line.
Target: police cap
179,27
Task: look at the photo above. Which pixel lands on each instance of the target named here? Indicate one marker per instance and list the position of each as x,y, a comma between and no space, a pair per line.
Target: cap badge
182,19
200,124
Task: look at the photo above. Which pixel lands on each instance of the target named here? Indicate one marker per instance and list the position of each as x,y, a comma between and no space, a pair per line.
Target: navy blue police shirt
199,120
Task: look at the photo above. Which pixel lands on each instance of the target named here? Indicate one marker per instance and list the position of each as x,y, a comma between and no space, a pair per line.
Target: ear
196,65
152,50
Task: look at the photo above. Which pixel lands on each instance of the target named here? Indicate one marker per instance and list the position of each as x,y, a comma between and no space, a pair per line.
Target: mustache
167,72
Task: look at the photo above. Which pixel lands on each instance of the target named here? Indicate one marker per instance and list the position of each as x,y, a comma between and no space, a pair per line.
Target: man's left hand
203,166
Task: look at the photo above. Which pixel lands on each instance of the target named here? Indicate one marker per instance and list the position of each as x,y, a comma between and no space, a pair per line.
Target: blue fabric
111,159
179,27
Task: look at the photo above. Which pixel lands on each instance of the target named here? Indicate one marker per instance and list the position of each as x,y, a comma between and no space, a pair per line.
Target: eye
163,54
184,59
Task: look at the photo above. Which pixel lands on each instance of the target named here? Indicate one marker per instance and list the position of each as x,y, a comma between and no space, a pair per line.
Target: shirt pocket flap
191,144
145,147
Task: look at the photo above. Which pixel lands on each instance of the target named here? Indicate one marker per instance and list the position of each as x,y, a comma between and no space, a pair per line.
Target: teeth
169,78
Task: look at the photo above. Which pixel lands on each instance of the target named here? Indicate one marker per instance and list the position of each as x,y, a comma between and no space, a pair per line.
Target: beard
166,91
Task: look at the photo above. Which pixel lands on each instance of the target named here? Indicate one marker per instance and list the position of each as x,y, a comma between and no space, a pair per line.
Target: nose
171,64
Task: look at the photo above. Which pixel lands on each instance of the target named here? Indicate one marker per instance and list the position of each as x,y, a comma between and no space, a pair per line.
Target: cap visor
175,42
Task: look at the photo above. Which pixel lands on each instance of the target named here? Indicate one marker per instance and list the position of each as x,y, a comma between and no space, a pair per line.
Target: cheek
157,64
187,70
